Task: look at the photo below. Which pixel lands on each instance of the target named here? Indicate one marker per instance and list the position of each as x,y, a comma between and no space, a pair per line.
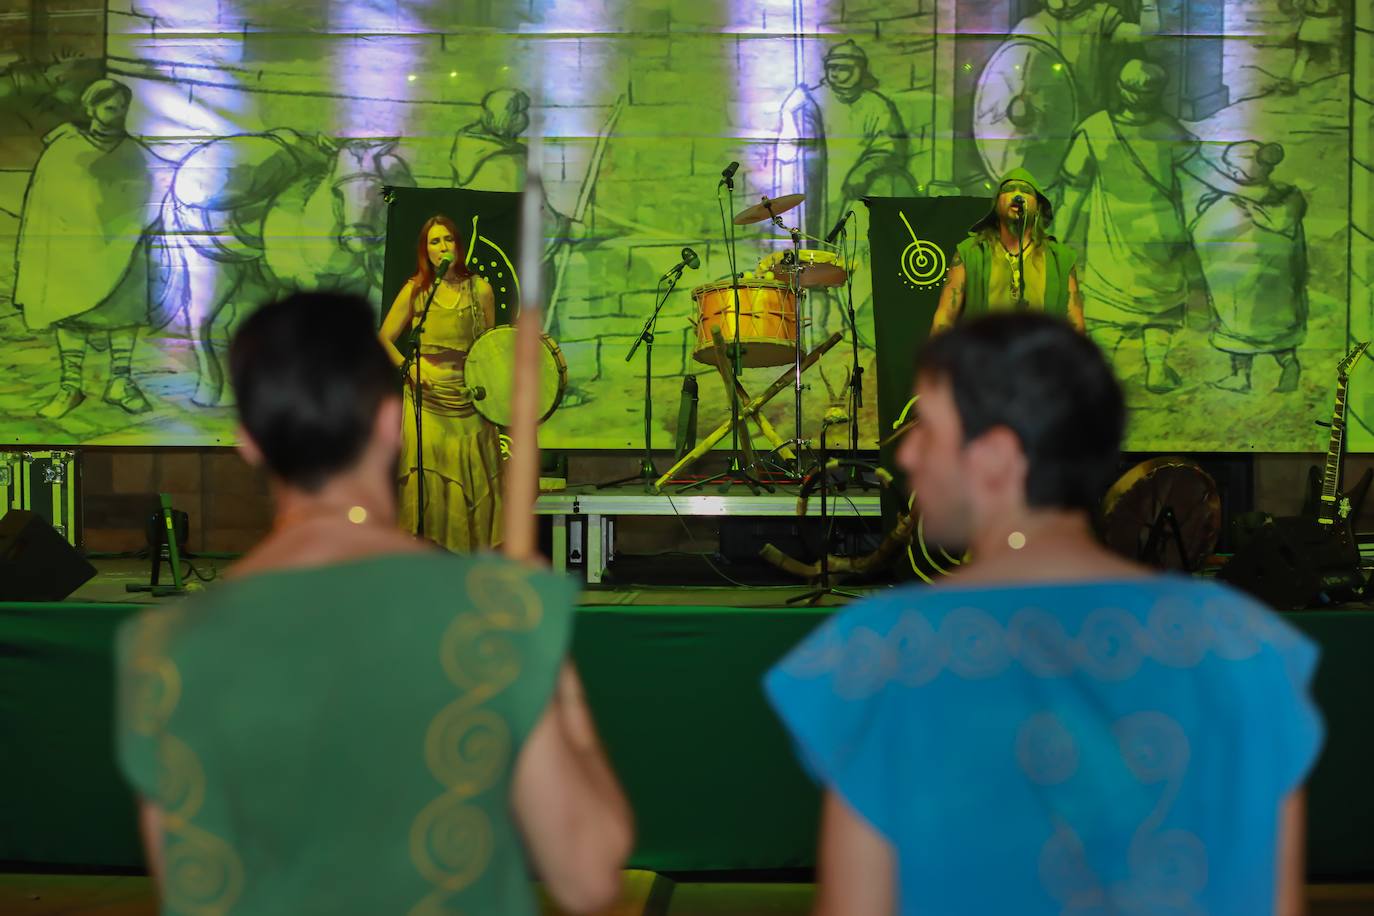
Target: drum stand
647,472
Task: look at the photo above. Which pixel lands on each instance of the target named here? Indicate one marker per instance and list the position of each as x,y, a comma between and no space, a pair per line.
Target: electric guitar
1326,504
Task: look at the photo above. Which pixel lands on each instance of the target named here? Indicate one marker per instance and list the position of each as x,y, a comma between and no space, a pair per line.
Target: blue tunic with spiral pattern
1096,747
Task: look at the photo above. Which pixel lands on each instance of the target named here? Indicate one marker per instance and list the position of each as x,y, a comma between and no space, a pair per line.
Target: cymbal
767,209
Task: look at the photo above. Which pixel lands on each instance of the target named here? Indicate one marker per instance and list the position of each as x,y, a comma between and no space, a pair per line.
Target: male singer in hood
1009,261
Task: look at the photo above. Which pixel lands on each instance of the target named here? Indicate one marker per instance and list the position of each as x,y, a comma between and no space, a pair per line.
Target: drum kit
753,320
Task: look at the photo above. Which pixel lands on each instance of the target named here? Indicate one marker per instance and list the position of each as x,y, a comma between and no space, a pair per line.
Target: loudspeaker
36,563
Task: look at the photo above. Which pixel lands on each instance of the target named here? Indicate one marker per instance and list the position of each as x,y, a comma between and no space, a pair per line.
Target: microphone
689,259
478,392
1018,202
444,264
727,174
834,233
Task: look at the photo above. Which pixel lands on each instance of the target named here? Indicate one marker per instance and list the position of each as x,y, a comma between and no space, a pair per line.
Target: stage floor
119,895
113,575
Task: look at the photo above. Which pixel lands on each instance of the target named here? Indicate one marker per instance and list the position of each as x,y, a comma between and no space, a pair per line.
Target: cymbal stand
794,284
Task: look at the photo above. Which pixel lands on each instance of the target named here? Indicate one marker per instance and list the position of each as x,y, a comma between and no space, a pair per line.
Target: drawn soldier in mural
1321,33
488,155
83,265
1254,256
840,139
1121,174
1090,35
837,142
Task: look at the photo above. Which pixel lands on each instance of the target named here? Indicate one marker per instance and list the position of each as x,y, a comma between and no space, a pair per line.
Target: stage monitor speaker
36,563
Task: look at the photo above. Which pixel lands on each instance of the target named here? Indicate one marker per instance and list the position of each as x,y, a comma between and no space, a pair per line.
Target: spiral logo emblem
923,263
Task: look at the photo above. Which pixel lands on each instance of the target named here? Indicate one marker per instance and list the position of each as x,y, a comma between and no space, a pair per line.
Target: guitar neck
1331,475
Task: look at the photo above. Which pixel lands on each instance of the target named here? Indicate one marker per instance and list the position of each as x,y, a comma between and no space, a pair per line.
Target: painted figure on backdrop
838,142
1254,256
1010,261
489,155
1122,175
1091,36
461,450
83,266
252,216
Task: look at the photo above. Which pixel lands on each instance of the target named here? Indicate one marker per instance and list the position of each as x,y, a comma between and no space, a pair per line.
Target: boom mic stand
647,472
417,396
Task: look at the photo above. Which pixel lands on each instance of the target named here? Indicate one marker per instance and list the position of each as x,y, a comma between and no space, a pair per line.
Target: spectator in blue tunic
1055,729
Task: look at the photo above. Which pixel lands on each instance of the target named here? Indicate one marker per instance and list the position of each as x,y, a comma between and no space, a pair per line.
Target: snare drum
490,373
767,321
819,268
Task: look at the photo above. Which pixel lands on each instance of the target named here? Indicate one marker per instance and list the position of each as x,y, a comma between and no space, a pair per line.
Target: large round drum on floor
490,373
767,322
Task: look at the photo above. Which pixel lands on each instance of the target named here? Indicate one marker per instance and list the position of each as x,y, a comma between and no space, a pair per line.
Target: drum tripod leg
727,372
752,408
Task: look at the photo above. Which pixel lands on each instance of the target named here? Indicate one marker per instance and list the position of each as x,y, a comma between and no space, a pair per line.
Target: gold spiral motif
180,779
451,843
155,683
466,748
202,876
504,596
476,655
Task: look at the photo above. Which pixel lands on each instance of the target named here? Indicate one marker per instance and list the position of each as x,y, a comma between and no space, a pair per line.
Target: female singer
462,452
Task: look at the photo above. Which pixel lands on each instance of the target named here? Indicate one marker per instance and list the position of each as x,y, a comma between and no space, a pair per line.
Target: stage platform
672,676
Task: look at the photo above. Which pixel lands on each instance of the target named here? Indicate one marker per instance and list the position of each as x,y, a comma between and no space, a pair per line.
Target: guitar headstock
1351,358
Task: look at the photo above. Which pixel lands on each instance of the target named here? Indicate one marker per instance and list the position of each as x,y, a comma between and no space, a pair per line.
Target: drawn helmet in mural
505,112
1140,85
1046,209
1252,162
846,68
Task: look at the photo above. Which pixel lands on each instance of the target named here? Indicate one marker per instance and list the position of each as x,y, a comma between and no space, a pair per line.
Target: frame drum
491,367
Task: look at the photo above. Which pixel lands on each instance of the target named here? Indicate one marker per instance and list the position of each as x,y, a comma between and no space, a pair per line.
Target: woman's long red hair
424,272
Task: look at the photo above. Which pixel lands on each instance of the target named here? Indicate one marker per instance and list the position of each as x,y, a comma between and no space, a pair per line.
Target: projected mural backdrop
166,166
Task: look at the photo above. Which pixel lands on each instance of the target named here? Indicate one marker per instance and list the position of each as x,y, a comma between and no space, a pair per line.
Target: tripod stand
417,396
647,472
823,586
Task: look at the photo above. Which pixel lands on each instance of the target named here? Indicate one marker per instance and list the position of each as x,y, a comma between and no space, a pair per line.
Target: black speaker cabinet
36,563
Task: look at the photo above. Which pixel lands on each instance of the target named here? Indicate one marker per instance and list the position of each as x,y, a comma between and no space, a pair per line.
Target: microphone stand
647,472
856,372
417,396
1021,260
735,471
823,586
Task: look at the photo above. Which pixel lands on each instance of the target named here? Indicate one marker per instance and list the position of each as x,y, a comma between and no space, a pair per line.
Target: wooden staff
522,470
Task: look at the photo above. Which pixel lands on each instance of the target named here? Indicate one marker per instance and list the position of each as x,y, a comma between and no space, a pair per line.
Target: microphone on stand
689,259
727,174
835,232
442,268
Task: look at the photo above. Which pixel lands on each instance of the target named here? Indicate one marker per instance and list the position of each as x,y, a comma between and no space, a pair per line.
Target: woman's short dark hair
1049,385
310,374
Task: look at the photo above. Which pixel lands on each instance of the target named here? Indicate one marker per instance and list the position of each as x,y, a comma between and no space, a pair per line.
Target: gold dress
462,450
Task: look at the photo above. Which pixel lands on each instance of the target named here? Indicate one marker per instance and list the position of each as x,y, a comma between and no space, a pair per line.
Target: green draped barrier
675,692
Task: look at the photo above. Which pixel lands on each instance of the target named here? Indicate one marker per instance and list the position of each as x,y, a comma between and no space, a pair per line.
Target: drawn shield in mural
1024,109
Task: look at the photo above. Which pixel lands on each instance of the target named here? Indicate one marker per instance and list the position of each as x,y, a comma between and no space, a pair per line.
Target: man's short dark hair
1049,385
310,375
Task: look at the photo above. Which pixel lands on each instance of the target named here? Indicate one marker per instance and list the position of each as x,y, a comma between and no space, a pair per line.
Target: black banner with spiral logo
911,242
